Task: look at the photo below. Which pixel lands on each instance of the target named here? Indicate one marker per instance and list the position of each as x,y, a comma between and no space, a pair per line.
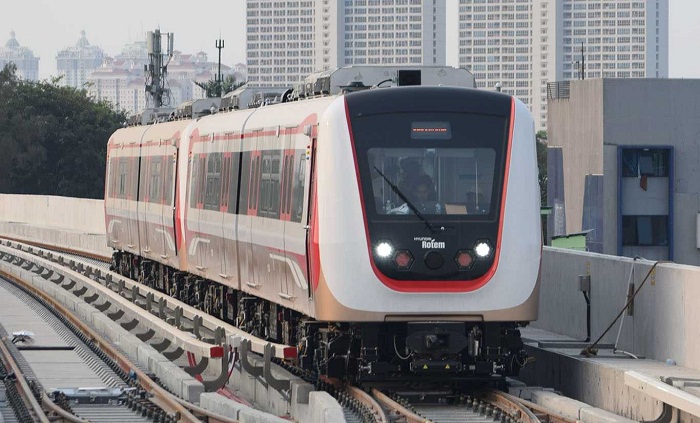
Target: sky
48,26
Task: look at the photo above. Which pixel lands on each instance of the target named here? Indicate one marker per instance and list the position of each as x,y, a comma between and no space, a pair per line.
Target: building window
645,231
645,162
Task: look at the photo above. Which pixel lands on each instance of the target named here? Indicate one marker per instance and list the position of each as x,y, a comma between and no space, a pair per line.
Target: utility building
629,165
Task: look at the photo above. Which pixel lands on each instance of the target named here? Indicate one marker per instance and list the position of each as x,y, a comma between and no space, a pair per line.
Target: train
382,232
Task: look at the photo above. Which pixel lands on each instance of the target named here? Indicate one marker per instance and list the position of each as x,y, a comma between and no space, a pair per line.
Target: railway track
136,390
385,405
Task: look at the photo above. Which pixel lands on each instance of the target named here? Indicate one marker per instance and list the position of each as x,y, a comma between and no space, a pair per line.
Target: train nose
434,260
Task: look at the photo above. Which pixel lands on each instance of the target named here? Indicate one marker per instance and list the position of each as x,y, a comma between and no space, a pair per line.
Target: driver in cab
422,196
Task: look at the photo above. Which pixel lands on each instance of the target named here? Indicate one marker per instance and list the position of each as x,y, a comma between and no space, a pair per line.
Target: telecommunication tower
157,91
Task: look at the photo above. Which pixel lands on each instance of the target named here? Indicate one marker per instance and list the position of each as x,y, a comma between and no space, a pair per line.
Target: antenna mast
157,95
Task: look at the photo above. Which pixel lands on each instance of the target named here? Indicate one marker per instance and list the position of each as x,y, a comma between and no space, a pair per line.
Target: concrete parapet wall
666,318
65,222
73,214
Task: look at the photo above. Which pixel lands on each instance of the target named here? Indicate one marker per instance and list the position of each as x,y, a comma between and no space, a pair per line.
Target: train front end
426,244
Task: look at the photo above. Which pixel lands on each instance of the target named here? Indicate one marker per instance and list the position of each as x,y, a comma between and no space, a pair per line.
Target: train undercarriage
363,351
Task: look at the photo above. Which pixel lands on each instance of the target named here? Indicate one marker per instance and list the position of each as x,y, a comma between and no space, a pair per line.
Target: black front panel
432,169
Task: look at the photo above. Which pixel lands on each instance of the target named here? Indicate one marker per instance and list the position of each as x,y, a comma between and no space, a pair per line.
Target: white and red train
298,222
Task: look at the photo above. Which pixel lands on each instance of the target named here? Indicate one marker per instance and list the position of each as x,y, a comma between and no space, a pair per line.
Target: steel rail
22,385
510,405
164,397
393,406
366,399
65,416
538,409
58,249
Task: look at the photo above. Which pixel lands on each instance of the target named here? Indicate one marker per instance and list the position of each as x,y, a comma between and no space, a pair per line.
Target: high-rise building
23,58
76,63
286,41
521,45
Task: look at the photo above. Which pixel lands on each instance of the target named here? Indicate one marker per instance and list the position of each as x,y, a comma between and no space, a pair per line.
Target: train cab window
432,180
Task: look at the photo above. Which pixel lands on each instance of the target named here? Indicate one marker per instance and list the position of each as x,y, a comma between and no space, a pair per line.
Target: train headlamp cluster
465,259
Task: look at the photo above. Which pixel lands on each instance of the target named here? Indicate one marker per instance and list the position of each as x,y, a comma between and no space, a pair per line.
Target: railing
558,90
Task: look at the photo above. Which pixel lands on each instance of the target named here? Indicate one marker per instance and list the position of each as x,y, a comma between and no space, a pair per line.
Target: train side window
143,178
213,182
245,178
232,191
122,178
193,182
154,194
168,180
201,179
134,170
255,183
298,189
225,180
289,174
285,166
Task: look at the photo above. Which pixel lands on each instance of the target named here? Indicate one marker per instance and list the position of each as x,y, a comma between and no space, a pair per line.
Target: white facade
286,41
621,39
23,58
121,80
524,44
75,64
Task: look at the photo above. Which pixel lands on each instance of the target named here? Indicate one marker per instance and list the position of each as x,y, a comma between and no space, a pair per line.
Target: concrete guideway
296,398
672,397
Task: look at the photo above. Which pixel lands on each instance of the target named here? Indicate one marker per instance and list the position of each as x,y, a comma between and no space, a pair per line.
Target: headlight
383,249
483,249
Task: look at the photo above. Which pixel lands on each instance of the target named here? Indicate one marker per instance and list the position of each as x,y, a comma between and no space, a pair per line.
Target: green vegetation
52,139
211,87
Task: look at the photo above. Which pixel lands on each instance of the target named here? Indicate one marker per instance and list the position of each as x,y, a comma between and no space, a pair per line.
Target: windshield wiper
406,200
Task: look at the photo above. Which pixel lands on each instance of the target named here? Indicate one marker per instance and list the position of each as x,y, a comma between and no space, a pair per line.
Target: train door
229,196
209,217
285,256
268,230
197,242
254,159
309,173
167,211
143,201
134,166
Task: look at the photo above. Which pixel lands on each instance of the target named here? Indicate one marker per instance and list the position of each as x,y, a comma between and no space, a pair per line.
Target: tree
211,87
53,139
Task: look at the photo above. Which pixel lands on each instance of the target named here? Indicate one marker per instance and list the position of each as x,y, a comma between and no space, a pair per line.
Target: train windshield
432,180
428,164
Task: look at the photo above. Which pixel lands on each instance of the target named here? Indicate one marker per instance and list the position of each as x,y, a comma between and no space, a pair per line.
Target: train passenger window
245,178
288,184
232,191
168,180
121,193
154,194
213,182
225,180
201,179
298,188
269,199
194,163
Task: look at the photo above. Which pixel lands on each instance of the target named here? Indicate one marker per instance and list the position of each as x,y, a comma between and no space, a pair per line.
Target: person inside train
421,194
